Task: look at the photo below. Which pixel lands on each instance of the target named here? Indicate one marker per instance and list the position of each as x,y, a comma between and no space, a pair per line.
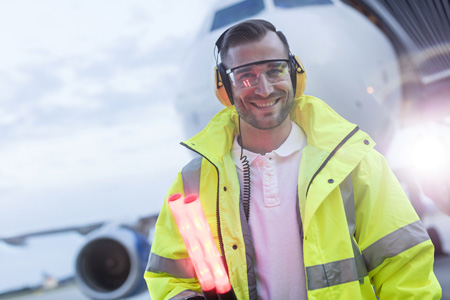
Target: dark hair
247,31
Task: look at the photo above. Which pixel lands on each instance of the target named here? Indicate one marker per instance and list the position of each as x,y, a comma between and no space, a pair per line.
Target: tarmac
442,271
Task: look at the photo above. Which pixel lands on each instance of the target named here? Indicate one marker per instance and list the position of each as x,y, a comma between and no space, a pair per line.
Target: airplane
361,57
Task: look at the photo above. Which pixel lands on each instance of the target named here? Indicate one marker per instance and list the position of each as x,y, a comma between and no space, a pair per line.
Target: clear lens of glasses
247,76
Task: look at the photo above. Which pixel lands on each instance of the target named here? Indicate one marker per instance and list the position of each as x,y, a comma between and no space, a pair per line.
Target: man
300,204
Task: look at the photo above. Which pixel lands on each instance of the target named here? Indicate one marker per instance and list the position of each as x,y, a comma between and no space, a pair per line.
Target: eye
245,76
275,72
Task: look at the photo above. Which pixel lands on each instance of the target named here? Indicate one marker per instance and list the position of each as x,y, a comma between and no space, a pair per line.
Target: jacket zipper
219,232
344,140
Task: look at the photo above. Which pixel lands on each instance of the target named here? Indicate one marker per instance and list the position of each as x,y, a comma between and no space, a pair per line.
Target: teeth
265,104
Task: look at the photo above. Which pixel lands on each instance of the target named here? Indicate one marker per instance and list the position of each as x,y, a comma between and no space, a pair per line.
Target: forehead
269,47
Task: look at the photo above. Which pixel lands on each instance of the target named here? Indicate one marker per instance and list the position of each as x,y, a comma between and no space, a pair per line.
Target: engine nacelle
111,264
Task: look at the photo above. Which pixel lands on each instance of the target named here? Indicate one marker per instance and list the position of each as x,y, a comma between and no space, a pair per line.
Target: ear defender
222,84
298,76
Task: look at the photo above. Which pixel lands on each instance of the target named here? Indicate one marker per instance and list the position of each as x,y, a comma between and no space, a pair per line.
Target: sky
88,128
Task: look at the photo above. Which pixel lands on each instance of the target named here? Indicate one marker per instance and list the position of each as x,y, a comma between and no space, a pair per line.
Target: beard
271,119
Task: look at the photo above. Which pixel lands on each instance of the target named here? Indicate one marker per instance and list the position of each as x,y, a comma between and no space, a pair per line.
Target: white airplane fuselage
349,62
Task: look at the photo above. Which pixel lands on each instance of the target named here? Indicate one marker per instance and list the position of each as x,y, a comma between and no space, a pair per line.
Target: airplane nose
264,87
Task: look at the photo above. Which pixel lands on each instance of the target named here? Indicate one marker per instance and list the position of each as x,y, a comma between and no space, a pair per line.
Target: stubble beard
255,122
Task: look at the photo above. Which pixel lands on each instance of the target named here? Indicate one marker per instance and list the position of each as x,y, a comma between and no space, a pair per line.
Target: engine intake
111,264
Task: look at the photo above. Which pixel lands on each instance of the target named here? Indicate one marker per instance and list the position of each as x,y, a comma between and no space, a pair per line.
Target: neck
264,141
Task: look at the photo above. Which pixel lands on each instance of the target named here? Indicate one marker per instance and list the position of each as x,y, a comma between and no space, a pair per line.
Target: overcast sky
88,129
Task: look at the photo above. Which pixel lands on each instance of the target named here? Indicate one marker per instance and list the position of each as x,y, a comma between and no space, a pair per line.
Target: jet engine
111,264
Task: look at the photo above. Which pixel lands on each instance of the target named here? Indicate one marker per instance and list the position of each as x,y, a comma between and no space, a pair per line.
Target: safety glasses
248,75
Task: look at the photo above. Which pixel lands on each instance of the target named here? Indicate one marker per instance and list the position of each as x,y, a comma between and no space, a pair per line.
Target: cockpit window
236,12
297,3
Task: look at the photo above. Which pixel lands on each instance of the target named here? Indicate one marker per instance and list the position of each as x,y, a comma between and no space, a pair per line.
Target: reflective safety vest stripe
394,243
348,199
191,176
180,268
318,276
333,273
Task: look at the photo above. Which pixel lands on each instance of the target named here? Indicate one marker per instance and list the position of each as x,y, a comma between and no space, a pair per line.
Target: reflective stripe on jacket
358,227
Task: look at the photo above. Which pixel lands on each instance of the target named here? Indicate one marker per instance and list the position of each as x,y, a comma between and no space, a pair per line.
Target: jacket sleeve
169,273
395,245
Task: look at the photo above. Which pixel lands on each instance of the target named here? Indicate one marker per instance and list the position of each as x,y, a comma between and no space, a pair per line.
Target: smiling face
267,104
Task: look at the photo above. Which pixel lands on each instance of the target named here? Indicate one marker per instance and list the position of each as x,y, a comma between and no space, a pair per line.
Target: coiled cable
245,177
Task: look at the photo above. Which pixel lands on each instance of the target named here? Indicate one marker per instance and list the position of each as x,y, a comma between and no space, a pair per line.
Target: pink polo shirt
274,222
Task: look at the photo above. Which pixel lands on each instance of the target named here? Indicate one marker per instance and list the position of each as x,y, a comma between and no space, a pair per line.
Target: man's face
266,104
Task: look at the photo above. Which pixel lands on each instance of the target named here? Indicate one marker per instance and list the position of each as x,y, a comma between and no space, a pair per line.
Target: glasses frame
229,71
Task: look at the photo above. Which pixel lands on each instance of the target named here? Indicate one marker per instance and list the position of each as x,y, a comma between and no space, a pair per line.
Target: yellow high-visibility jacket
359,229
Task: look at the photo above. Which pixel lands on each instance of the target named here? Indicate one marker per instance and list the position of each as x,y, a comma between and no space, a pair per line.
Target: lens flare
430,156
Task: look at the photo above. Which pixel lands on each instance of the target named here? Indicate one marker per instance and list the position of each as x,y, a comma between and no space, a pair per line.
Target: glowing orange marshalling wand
197,237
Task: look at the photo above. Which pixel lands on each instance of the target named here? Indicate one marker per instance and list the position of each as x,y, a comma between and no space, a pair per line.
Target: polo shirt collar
296,141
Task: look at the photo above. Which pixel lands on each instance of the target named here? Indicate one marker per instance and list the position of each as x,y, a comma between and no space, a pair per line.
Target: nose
264,88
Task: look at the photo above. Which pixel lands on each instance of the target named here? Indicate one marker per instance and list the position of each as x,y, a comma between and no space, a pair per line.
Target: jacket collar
323,127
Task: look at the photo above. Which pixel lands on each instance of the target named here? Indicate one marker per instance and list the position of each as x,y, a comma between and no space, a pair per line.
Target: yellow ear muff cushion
219,88
301,78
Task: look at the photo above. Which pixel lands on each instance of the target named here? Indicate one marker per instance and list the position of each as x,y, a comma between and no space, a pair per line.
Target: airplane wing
142,225
20,240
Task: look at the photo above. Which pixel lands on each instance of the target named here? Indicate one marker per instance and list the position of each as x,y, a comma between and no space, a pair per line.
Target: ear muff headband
222,84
